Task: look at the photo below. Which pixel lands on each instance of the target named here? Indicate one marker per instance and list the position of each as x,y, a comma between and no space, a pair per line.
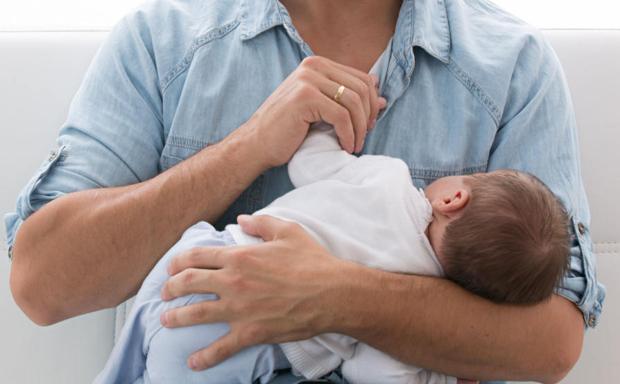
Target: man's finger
374,104
214,354
204,312
354,99
200,257
341,118
266,227
190,280
370,82
352,83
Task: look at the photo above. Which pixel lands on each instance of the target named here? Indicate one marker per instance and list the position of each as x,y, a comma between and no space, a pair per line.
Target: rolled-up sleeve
113,134
538,134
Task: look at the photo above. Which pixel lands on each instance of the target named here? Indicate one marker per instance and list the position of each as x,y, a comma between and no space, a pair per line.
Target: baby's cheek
435,233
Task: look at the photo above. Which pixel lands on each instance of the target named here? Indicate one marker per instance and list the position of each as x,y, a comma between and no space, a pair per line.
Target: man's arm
463,335
421,320
97,216
91,249
424,321
446,328
95,219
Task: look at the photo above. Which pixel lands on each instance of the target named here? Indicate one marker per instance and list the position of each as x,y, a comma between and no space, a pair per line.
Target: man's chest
432,123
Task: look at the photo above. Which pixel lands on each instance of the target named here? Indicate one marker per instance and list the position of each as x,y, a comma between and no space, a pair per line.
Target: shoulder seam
473,87
199,41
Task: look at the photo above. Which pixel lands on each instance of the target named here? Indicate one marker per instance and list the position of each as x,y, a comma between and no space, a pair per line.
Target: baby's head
502,235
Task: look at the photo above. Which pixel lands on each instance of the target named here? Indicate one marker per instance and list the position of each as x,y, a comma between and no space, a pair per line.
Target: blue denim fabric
469,88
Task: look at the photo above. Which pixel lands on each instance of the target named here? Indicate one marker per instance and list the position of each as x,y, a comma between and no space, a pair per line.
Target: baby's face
447,195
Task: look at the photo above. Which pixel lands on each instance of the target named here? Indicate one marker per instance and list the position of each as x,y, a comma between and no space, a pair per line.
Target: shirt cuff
580,285
12,222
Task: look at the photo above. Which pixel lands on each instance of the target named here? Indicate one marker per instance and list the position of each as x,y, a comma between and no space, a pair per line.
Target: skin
448,196
288,288
455,332
116,235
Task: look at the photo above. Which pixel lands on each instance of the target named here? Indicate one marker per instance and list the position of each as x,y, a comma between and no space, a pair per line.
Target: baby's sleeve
319,157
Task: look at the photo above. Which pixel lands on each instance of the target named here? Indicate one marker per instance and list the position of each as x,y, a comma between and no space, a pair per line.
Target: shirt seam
198,42
425,173
185,142
476,90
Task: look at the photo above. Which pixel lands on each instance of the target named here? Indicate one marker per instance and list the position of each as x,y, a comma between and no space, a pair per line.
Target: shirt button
581,228
592,321
52,155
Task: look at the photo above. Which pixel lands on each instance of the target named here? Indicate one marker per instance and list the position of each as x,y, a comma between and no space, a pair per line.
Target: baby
502,235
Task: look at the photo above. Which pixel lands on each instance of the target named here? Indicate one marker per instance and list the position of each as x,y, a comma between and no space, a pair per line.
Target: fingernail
373,123
192,363
382,102
241,218
163,319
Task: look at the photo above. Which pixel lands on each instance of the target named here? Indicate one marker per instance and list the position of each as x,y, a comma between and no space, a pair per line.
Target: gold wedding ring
339,93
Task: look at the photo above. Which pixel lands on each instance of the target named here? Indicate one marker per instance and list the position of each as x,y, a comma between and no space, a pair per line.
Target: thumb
263,226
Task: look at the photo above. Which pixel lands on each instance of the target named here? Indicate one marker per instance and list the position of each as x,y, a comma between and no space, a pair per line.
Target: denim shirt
469,88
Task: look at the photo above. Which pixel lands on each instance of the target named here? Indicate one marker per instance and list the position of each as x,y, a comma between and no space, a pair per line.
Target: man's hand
272,292
306,96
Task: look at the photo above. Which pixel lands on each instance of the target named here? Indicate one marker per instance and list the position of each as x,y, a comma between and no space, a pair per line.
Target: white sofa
39,73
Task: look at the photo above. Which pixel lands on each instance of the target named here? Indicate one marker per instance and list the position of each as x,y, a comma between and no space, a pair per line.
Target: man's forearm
91,249
435,324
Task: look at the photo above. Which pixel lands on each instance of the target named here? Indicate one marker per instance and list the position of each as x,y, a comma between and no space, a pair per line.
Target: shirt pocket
423,176
179,148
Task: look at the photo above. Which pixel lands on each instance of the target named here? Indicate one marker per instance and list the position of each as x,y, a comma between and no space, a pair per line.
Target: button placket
581,228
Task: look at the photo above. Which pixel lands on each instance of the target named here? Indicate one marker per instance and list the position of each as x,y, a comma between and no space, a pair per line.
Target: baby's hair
512,242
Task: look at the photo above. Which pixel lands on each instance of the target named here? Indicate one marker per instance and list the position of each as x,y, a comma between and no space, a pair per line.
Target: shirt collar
422,23
258,16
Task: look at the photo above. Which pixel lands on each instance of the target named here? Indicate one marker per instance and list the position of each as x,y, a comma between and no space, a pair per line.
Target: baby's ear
453,204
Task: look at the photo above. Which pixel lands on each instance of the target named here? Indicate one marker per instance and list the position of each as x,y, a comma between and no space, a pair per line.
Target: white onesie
363,209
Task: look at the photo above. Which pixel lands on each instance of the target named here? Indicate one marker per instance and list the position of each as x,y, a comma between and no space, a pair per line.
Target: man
191,108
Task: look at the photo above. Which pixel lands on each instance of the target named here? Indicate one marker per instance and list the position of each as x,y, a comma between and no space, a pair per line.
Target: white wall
102,14
39,73
565,13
